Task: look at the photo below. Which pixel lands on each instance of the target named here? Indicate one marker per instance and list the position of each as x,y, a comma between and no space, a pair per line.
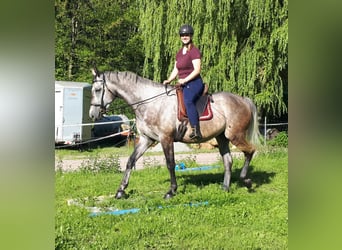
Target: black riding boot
196,133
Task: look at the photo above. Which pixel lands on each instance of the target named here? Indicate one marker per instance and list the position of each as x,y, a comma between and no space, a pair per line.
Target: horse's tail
253,134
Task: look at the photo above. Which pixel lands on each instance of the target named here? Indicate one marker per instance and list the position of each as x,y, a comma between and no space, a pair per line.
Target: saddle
202,105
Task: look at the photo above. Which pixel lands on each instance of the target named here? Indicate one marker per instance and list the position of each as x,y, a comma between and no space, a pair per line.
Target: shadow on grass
258,178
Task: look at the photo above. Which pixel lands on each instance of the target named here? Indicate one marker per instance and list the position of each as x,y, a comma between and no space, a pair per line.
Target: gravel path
202,158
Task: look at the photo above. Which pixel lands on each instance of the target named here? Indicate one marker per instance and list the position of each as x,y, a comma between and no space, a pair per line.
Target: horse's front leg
139,150
168,149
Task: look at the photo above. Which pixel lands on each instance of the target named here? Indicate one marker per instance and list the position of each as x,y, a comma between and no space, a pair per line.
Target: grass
101,151
235,220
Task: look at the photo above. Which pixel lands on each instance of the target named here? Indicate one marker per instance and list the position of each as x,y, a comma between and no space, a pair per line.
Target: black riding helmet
186,29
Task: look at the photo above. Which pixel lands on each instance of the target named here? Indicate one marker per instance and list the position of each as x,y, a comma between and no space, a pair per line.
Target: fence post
265,131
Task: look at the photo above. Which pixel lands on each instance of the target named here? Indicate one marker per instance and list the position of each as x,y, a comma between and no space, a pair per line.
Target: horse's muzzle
96,113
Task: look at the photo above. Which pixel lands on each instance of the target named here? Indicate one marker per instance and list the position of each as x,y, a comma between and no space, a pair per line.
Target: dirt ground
202,159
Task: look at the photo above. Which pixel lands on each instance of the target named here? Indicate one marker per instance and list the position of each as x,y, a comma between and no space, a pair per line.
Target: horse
234,120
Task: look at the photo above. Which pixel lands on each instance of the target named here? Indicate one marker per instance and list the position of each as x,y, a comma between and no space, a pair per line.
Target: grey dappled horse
234,119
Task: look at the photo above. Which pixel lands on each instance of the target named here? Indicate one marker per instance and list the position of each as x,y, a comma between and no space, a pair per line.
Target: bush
281,140
110,164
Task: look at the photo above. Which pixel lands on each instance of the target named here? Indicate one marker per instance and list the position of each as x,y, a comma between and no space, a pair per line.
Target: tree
244,45
102,33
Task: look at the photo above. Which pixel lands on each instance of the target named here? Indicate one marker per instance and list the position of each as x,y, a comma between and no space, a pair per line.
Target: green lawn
235,220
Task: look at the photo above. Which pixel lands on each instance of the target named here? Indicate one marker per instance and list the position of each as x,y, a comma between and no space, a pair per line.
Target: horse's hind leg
240,142
246,181
139,150
227,159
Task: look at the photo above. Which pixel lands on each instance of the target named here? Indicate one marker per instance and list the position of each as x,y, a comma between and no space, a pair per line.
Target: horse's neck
133,88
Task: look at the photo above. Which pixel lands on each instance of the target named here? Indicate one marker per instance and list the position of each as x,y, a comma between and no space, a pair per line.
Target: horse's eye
97,89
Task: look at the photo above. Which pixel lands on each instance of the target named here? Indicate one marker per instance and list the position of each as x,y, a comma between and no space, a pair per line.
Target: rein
153,97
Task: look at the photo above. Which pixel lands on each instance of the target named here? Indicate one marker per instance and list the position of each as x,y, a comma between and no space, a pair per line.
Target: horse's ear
94,71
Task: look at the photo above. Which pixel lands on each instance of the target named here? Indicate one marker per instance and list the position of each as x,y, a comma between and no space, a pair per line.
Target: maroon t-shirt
184,62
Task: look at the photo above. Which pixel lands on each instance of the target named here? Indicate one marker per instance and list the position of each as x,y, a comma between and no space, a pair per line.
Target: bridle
104,85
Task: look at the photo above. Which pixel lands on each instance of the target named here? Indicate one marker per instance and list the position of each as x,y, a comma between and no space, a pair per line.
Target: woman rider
188,68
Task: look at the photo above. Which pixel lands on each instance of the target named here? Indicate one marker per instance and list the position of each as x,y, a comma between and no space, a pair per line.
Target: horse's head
101,95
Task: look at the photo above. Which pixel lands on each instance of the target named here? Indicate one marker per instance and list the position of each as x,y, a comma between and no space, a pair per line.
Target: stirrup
195,134
195,137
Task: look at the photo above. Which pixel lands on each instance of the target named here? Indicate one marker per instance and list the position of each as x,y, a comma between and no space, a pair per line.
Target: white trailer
72,102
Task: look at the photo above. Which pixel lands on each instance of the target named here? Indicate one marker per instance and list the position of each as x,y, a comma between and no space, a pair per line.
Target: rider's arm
173,75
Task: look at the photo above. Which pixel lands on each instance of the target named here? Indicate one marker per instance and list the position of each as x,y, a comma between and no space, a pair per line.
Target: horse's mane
132,78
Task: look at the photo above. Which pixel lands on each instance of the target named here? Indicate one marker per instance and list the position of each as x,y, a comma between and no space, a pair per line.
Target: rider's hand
182,81
166,82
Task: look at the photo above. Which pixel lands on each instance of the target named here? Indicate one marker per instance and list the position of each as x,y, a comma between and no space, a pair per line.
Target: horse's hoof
168,195
120,194
225,188
248,183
